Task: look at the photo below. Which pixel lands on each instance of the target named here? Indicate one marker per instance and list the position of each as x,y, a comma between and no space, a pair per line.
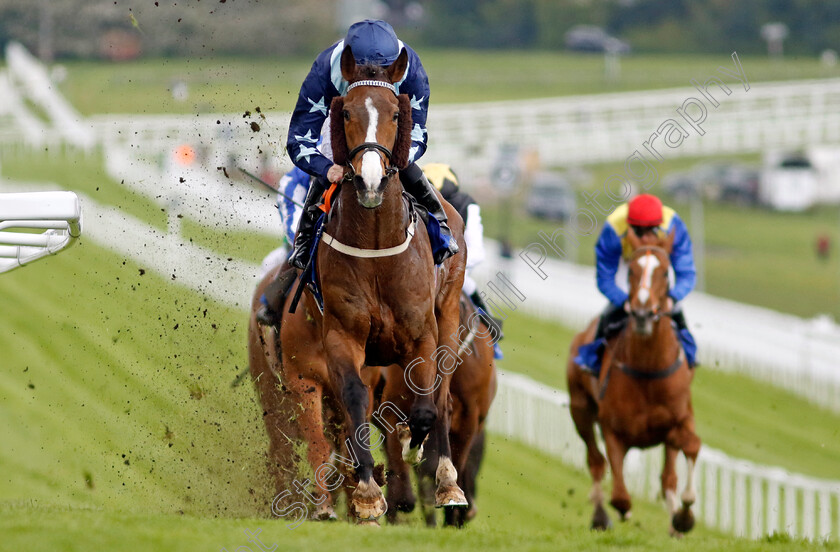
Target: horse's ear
348,64
397,69
402,144
337,136
634,240
668,242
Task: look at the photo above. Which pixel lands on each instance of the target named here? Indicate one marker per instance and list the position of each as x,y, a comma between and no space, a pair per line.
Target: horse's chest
394,329
642,418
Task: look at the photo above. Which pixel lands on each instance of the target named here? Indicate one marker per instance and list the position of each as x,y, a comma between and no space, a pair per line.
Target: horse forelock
370,71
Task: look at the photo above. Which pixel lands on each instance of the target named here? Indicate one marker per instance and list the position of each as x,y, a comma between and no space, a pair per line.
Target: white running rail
57,215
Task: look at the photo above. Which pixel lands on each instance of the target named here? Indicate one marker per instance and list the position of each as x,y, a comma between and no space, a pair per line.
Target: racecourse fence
735,496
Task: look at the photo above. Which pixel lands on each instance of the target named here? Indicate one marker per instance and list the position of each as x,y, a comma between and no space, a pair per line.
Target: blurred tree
168,27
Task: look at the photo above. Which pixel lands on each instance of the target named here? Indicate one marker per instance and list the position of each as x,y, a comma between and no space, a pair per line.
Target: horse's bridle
390,169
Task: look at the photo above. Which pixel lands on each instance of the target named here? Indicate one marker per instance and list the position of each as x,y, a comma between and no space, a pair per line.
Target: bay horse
473,388
642,397
385,302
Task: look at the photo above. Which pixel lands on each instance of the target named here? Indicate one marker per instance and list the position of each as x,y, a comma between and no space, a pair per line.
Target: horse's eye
346,115
396,116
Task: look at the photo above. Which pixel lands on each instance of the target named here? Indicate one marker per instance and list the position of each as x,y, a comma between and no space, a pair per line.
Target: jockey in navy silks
374,42
308,143
649,220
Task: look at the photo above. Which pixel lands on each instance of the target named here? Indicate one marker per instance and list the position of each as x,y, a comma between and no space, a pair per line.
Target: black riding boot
272,300
612,320
416,184
679,320
493,323
306,227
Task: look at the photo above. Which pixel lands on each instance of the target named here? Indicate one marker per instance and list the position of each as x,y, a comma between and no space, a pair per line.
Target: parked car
551,197
726,182
588,38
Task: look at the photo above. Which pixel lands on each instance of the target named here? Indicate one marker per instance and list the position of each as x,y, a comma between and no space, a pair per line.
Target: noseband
390,170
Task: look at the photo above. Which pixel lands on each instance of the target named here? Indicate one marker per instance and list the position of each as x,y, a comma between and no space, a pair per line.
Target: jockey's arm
608,255
313,104
682,260
415,85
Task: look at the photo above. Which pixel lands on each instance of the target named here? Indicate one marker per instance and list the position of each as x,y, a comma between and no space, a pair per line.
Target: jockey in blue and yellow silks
649,219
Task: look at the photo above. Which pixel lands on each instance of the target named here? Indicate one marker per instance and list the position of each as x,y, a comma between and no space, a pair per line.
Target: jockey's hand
669,304
627,306
335,173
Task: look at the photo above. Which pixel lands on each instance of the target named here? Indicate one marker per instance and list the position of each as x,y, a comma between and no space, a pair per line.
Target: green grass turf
237,84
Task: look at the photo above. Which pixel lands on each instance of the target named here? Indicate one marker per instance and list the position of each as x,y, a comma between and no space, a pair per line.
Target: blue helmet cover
373,41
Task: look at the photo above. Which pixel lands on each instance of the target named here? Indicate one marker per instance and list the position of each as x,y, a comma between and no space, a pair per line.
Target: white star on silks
317,106
307,137
306,152
415,103
412,152
417,133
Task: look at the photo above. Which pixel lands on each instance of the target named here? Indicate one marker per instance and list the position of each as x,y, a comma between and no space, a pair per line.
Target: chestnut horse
642,397
473,389
385,302
290,374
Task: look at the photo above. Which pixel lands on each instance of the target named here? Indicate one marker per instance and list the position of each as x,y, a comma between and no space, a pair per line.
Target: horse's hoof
412,456
368,522
451,496
601,520
625,516
368,501
472,512
683,520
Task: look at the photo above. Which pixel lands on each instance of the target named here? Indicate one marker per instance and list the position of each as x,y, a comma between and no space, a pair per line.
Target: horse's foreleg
464,426
311,423
448,492
669,480
421,378
584,415
616,450
395,400
684,438
345,359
